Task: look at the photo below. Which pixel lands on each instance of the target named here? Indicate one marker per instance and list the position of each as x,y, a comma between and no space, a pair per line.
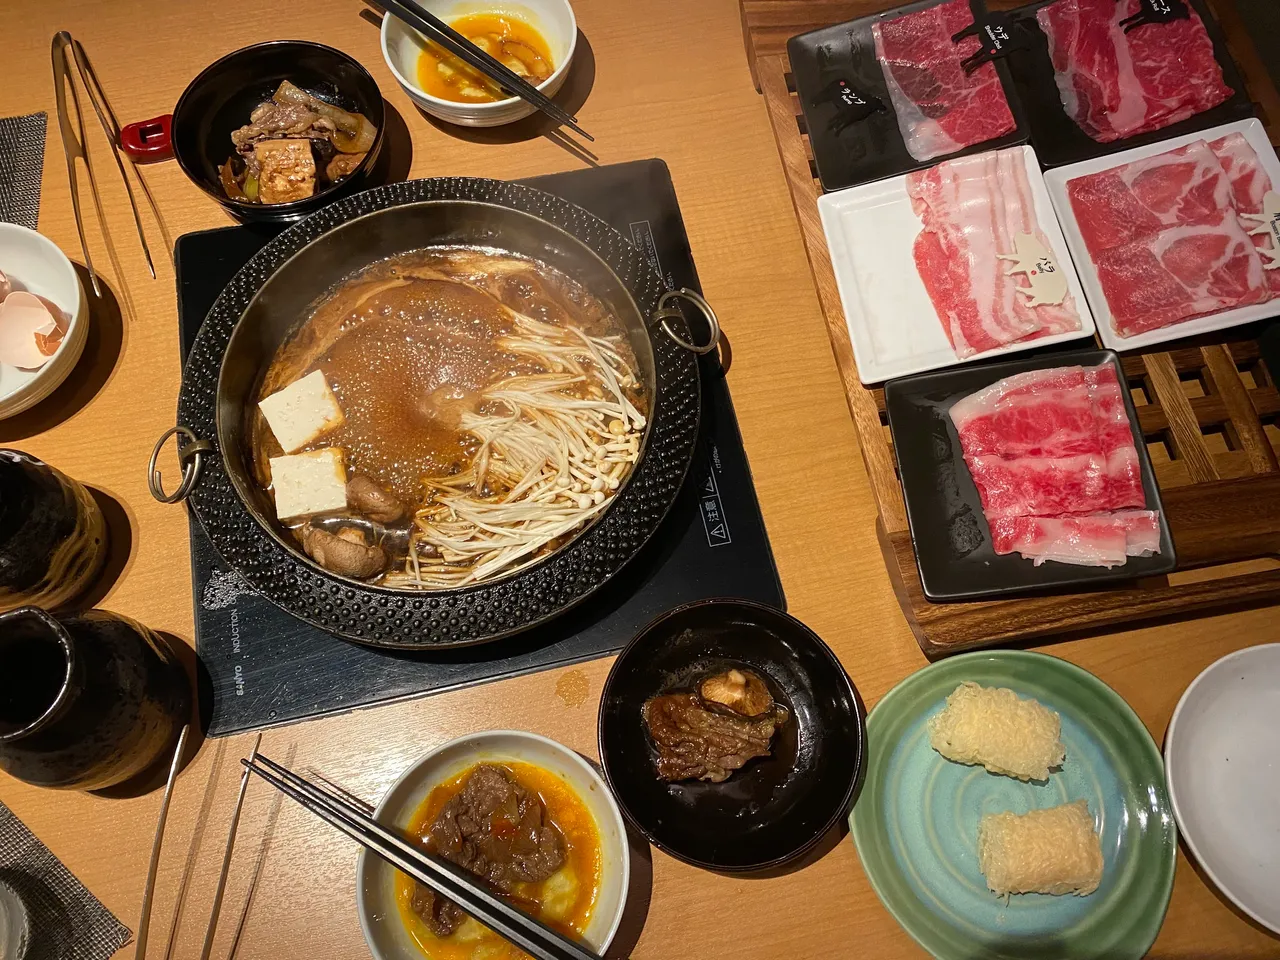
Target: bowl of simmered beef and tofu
276,130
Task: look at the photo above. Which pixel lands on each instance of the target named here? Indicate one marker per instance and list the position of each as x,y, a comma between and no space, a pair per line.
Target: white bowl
34,263
375,879
402,46
1222,765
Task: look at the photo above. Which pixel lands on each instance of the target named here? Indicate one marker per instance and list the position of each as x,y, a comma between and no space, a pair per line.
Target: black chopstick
444,877
436,29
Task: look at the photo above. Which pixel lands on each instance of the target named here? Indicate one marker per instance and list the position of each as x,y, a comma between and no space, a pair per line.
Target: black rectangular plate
948,530
872,148
1059,140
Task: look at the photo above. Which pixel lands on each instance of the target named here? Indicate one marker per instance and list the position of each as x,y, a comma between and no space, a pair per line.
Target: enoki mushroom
554,448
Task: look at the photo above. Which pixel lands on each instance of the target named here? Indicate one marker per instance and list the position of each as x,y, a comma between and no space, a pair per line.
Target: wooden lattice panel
1209,411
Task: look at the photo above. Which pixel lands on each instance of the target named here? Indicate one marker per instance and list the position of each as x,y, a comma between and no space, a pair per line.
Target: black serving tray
871,148
949,533
1059,140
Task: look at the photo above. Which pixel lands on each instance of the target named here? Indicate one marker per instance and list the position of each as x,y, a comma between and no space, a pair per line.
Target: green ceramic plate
916,820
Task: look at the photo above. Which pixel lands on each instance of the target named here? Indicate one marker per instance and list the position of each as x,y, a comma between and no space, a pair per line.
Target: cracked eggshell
29,332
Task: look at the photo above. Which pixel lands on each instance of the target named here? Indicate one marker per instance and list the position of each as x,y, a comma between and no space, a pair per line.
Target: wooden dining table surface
668,79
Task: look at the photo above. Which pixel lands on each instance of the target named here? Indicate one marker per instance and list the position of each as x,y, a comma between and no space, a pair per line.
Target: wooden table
670,80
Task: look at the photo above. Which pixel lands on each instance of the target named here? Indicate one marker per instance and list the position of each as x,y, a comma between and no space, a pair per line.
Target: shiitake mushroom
346,552
736,691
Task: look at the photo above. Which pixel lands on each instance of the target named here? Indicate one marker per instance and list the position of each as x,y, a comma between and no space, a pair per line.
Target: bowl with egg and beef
534,38
530,813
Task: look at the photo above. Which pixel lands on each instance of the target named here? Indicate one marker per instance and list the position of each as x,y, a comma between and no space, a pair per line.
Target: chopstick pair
446,878
436,29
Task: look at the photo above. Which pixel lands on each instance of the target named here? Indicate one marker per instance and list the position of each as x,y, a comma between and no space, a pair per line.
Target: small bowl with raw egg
532,814
44,318
535,38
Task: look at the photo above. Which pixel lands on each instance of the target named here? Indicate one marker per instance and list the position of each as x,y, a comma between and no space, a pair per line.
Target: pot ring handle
668,311
191,456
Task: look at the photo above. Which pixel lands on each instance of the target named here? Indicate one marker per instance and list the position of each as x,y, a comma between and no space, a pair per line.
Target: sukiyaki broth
448,416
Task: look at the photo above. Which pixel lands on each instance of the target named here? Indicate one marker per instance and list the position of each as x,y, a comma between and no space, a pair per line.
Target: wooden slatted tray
1209,409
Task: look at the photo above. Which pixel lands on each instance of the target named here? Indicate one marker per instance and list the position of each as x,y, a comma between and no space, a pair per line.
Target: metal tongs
74,143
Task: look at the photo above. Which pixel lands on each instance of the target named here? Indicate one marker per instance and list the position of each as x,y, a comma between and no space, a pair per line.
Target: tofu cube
306,484
288,170
302,411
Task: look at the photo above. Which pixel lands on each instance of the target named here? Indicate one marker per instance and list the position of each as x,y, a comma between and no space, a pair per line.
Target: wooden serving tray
1209,410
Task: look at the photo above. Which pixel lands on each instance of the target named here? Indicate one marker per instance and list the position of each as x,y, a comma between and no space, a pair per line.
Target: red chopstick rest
148,140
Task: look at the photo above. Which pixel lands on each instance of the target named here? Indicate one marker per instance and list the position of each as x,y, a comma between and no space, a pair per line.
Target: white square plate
1057,180
894,328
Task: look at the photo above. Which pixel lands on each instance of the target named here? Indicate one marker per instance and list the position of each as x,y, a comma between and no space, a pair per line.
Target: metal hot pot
271,296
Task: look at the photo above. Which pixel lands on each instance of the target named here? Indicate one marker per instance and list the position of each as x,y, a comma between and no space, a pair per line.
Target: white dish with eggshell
41,298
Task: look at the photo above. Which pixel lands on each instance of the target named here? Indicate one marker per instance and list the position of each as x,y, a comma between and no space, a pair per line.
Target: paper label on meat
1047,284
1268,223
1156,11
998,35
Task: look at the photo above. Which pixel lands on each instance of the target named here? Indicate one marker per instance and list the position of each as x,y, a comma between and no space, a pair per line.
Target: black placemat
1059,140
66,921
21,167
850,151
949,532
261,666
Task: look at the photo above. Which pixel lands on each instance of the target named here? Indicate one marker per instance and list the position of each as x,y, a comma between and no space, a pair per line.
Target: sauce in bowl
508,39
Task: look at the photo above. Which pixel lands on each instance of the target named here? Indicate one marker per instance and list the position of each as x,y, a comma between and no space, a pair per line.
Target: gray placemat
21,165
67,921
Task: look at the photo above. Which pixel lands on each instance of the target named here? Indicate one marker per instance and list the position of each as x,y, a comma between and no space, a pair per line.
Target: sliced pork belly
972,208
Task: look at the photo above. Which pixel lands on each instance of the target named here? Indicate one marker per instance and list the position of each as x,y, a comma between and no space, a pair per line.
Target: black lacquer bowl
221,98
774,809
270,296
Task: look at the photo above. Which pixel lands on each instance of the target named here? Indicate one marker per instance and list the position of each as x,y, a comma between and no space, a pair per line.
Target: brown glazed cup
53,537
86,702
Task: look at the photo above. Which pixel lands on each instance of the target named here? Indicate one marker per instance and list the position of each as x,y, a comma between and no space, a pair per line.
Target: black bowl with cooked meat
731,735
223,100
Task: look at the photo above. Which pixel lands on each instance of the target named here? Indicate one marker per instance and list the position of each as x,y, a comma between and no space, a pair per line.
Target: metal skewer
144,922
72,145
226,856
